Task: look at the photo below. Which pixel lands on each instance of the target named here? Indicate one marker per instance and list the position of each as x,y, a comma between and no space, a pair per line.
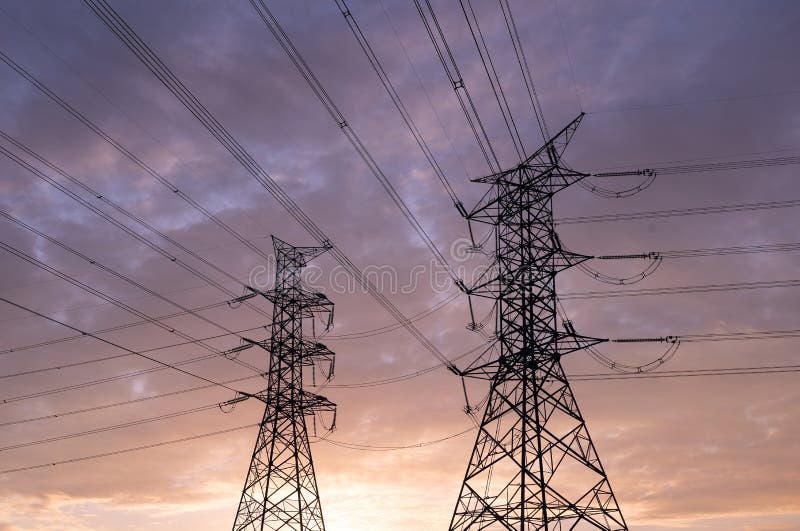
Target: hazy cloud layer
662,82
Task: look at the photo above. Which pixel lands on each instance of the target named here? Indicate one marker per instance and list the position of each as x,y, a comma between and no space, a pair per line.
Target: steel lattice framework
533,466
280,492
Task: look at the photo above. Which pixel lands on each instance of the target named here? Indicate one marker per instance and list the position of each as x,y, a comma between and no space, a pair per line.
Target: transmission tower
533,466
280,492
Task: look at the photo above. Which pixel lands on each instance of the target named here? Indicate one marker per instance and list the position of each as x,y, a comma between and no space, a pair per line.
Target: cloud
694,453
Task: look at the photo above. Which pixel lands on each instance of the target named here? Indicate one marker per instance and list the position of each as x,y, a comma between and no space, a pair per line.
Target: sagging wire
622,368
656,261
655,257
233,353
672,349
229,405
648,174
247,293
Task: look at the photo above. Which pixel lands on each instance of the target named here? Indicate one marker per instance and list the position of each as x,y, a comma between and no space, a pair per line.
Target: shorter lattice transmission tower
280,492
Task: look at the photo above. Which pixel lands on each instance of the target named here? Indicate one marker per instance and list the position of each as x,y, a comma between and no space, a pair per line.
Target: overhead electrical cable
753,335
119,403
653,106
733,250
673,290
126,450
390,328
386,81
423,88
133,283
128,37
677,212
82,385
728,165
522,60
116,302
710,166
688,338
489,69
116,345
460,89
352,336
276,29
116,328
114,427
128,154
127,230
378,448
29,395
733,371
69,365
782,369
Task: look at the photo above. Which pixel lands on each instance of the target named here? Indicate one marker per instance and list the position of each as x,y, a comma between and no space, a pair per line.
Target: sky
661,82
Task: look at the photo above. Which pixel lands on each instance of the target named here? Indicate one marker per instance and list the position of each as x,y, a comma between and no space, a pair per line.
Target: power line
114,378
713,166
147,242
679,253
672,290
128,37
127,450
116,345
727,165
740,336
78,307
299,62
375,62
348,336
569,56
123,327
733,371
120,403
116,302
522,60
781,369
473,23
654,106
732,250
677,212
354,335
376,448
128,280
390,328
104,429
460,89
175,190
88,83
697,159
422,86
373,383
651,173
92,361
684,338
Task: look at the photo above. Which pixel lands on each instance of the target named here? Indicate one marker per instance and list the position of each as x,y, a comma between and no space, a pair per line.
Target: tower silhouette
280,492
533,466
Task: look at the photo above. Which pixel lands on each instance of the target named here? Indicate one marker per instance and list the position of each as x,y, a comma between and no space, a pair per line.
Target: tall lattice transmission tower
280,492
533,466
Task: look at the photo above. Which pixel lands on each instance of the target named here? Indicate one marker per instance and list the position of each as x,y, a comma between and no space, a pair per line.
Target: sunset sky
663,83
